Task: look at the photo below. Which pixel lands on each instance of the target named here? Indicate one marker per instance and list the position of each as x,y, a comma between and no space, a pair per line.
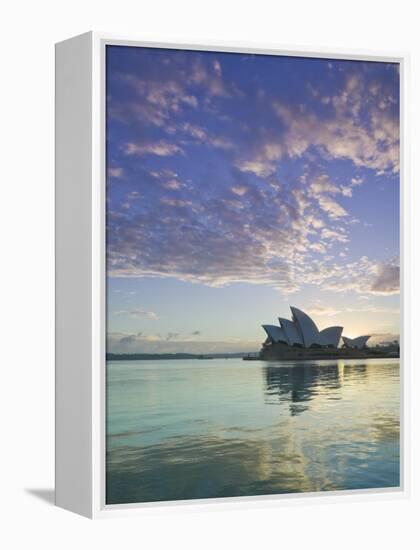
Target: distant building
302,332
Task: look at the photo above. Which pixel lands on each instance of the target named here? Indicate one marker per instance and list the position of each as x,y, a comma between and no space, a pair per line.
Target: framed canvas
231,283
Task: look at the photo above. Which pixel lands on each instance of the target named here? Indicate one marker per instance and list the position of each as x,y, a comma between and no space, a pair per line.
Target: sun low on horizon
239,185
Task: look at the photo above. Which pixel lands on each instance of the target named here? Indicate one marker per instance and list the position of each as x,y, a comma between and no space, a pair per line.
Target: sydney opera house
300,337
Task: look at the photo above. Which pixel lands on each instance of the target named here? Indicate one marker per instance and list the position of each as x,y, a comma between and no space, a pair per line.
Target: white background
28,32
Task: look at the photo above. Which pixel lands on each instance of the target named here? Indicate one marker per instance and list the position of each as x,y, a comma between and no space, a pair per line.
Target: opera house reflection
299,383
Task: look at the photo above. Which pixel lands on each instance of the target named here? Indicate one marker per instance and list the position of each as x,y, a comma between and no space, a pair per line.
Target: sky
238,185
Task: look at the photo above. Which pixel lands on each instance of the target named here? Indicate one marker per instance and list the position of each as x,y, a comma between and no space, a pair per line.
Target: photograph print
253,274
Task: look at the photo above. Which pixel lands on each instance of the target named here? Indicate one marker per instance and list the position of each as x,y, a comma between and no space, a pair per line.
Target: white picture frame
80,276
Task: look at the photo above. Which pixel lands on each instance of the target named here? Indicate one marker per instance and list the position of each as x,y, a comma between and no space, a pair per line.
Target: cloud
230,197
155,101
137,313
373,145
257,239
167,95
239,190
261,168
387,279
331,207
364,276
165,173
208,76
194,131
337,234
172,184
347,191
220,142
369,141
115,172
127,340
163,98
160,148
217,67
244,233
203,136
176,203
223,245
324,311
371,308
322,184
328,311
321,189
318,247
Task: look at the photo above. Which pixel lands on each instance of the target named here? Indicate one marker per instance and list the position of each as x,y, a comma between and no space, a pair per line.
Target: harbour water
191,429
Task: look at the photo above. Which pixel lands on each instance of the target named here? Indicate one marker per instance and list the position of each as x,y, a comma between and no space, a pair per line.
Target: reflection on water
201,429
299,384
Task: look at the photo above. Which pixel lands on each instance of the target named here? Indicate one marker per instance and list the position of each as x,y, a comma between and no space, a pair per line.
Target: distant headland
160,356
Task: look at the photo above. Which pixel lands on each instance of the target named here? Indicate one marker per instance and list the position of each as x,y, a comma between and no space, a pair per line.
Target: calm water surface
226,427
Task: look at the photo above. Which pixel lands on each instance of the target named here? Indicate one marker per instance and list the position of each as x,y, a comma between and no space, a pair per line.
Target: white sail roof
308,328
331,336
275,333
358,342
303,331
291,331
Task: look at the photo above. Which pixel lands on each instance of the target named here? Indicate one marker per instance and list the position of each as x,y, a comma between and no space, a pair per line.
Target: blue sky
240,184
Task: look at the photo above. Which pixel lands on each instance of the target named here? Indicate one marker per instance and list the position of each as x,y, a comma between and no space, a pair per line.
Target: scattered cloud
137,313
374,145
370,141
364,276
176,203
155,101
356,181
208,76
127,340
172,184
160,148
321,185
265,199
220,142
334,234
217,67
328,311
318,247
203,136
165,173
322,311
115,172
239,190
331,207
387,278
259,167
